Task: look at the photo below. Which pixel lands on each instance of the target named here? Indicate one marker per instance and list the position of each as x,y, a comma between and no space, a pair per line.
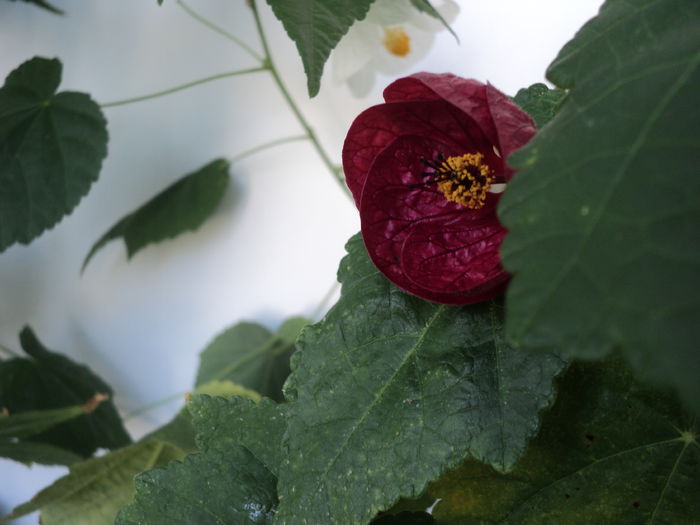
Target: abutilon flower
426,170
391,38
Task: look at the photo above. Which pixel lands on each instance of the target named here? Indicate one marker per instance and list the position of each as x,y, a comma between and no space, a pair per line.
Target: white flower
394,36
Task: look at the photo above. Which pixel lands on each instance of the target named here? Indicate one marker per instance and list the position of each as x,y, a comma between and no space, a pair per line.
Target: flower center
463,179
396,41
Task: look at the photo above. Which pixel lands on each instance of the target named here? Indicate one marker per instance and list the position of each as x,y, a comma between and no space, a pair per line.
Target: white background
273,246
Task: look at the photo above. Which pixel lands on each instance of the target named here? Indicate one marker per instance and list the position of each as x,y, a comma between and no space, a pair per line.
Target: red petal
515,128
455,255
468,95
394,203
378,126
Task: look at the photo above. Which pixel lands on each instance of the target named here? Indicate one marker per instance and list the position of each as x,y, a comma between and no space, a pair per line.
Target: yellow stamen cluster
396,41
465,180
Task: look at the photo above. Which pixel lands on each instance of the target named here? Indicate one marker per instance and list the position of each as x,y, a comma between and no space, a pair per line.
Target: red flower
426,170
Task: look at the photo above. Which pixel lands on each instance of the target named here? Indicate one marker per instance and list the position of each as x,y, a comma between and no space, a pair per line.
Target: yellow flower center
465,179
396,41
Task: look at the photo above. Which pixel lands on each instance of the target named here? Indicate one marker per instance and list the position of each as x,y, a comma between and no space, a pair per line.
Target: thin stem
155,404
261,147
323,305
9,351
211,25
184,86
336,171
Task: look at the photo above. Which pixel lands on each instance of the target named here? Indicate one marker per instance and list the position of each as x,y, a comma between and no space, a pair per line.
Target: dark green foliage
604,213
316,26
51,150
181,207
49,381
225,485
389,390
250,355
539,102
610,451
256,426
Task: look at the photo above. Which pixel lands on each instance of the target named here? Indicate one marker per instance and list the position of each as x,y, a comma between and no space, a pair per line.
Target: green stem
323,305
336,171
155,404
261,147
184,86
9,352
211,25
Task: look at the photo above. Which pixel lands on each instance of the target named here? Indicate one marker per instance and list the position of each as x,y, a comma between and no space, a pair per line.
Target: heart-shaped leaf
51,150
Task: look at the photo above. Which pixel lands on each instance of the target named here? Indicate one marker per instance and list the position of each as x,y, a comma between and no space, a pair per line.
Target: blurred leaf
51,150
424,6
610,451
237,421
316,27
95,489
539,102
30,423
225,485
252,356
388,391
604,213
50,381
181,207
29,452
45,5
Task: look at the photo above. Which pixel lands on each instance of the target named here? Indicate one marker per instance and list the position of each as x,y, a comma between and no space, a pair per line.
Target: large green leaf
252,356
316,26
49,381
389,390
94,490
256,426
225,485
182,206
539,102
51,150
604,214
611,451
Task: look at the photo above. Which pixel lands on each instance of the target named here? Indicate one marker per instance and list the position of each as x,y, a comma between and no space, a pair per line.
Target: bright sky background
273,247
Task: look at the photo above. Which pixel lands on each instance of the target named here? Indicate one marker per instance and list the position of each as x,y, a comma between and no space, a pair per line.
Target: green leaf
610,451
316,27
224,485
389,390
50,381
51,150
30,423
45,5
256,426
252,356
94,490
604,214
424,6
540,102
29,452
181,207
